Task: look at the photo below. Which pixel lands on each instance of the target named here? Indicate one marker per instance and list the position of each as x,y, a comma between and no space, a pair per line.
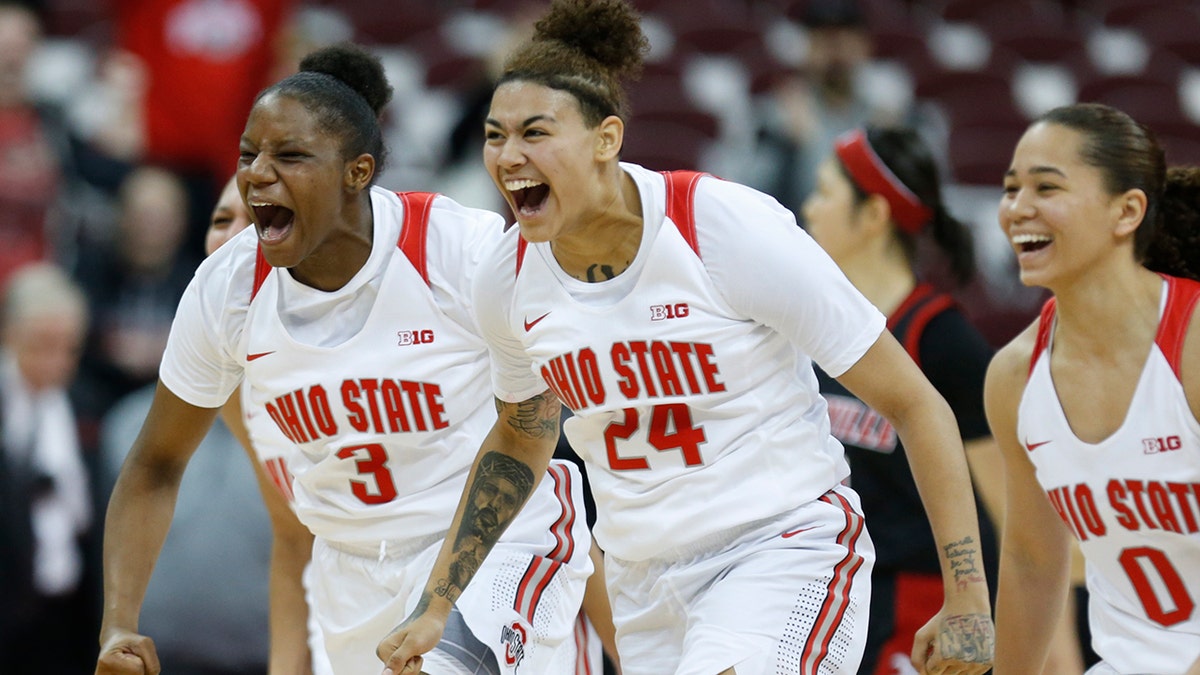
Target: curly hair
1175,249
585,48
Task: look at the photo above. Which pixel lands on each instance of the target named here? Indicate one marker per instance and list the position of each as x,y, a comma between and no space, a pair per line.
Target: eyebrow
530,120
1038,170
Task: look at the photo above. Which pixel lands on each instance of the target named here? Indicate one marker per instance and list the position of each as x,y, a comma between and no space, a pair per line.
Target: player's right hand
401,650
127,653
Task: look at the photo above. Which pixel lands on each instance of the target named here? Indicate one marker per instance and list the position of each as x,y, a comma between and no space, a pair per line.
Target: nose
256,170
511,155
1017,206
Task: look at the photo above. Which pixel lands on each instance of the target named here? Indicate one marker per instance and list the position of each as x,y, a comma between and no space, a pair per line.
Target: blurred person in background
805,111
134,282
48,614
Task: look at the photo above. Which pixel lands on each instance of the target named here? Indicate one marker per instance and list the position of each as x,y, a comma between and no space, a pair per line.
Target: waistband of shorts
383,549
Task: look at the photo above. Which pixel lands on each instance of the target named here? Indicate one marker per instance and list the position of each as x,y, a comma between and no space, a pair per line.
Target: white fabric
733,374
43,424
367,405
757,599
1134,505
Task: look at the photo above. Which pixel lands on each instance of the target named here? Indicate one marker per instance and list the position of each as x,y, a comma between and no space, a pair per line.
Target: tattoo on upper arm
964,562
536,417
501,486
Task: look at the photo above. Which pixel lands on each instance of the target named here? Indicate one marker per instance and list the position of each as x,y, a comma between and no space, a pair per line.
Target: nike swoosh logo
789,535
530,324
1034,446
254,357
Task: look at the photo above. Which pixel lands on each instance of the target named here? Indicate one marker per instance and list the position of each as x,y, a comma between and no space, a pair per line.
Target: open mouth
273,222
529,196
1027,243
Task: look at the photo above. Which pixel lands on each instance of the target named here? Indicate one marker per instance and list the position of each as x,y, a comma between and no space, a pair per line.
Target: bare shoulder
1007,373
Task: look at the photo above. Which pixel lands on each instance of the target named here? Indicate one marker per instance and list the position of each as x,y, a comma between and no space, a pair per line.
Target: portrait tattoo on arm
502,484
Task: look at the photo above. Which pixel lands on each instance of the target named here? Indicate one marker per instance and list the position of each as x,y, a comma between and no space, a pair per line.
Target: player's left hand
955,644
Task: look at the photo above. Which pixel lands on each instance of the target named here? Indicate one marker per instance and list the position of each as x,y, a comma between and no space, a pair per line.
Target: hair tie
874,177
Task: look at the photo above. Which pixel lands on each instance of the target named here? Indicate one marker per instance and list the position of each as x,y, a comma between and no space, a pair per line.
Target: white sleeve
771,270
459,238
513,378
200,364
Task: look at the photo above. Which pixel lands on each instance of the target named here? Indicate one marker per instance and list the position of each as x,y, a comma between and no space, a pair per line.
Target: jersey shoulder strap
681,207
1045,326
1182,295
909,320
415,229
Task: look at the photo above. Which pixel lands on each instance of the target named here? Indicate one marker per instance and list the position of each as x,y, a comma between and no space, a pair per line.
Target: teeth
520,184
1030,238
253,204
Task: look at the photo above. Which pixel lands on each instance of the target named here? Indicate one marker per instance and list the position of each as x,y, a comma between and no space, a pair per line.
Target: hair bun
354,66
606,31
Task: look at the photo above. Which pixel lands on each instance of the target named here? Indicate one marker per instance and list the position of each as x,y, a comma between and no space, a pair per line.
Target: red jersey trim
521,246
1045,325
919,308
1182,295
417,206
681,209
262,268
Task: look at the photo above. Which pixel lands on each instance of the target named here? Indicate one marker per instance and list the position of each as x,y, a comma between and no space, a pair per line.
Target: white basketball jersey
692,417
1131,500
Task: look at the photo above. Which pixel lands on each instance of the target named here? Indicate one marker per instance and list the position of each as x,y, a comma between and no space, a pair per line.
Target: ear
359,172
874,215
1130,210
609,138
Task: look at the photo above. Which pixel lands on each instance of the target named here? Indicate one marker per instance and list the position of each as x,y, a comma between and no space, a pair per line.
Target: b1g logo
513,638
1153,446
662,312
414,337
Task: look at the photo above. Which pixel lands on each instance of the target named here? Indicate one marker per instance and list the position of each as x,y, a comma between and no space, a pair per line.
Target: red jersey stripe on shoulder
261,269
1045,325
681,209
1182,295
922,315
521,246
415,228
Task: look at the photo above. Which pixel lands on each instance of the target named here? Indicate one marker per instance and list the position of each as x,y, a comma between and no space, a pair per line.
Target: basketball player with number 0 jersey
1095,404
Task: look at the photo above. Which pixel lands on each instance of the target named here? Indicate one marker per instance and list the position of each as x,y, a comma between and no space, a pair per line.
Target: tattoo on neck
595,271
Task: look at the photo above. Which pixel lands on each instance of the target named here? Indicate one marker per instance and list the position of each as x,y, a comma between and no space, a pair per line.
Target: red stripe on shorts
837,597
564,546
537,576
583,665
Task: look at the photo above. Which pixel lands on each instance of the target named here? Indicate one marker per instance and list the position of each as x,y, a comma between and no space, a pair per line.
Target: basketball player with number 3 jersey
374,372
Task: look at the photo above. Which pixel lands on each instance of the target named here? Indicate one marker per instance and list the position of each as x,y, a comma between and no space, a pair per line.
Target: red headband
873,176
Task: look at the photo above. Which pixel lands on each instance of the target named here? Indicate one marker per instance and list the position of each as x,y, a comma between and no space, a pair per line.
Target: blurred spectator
48,617
40,158
134,282
805,111
203,63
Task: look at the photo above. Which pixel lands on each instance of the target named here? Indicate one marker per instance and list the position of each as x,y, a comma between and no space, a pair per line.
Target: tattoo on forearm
501,486
964,562
968,638
536,417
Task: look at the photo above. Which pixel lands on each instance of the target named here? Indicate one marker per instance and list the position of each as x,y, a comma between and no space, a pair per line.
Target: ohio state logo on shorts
513,638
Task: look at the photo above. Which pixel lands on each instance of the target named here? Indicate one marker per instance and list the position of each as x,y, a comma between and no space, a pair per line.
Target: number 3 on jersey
670,429
374,464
